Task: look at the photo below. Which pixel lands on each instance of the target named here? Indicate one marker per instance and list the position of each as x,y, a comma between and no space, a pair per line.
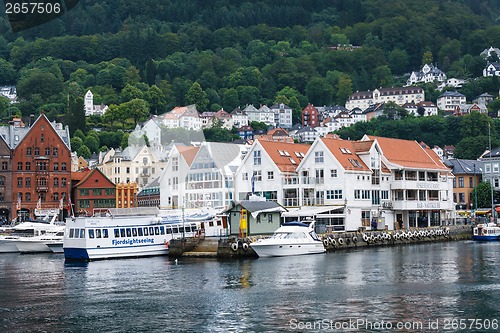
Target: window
257,176
318,157
144,160
269,218
175,163
365,218
333,173
487,168
27,196
63,182
334,194
55,152
56,166
37,151
270,175
28,151
42,138
63,166
28,182
2,197
47,151
244,176
2,181
56,196
28,166
56,182
19,182
257,158
19,166
461,182
5,165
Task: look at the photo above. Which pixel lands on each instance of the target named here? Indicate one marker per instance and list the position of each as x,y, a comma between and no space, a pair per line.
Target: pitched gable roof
409,154
345,153
286,156
188,153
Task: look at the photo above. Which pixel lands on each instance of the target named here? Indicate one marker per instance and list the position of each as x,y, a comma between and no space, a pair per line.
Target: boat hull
486,238
8,245
32,246
282,250
114,253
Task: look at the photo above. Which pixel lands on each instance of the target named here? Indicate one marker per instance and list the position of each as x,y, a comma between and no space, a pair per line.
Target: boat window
129,232
175,230
105,233
71,233
97,233
91,233
139,231
157,231
145,231
82,233
169,230
211,224
134,232
117,233
122,232
162,230
77,233
151,231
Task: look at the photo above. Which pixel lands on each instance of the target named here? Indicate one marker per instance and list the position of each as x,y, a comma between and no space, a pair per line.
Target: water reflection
413,284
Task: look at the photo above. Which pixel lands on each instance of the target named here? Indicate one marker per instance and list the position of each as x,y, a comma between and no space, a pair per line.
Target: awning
268,210
311,211
483,211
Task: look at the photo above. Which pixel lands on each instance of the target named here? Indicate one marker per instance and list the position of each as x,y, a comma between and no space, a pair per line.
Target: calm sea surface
443,287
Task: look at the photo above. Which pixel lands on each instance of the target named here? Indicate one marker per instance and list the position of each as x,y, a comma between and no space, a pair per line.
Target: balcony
313,201
418,205
291,202
290,181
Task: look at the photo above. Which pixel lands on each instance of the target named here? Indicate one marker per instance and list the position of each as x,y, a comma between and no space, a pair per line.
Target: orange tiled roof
79,175
409,154
188,153
286,156
345,152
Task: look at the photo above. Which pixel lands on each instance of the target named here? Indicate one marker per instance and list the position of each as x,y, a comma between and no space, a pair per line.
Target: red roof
286,156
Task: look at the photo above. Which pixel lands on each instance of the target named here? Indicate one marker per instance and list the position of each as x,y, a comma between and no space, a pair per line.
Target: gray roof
451,94
254,206
461,166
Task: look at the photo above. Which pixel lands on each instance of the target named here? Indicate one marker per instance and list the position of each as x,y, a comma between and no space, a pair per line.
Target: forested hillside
148,56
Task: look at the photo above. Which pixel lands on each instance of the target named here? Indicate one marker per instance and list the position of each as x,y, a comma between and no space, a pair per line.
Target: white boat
40,243
486,232
29,230
121,233
292,238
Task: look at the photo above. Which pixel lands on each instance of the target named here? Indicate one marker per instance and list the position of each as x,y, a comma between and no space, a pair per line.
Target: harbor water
440,287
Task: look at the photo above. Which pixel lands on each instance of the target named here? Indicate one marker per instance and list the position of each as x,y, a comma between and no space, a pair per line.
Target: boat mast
491,182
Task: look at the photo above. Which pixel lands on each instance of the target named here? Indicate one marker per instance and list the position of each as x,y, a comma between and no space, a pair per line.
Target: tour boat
292,238
121,233
486,232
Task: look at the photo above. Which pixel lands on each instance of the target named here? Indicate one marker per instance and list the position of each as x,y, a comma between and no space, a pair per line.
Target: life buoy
167,244
234,246
245,246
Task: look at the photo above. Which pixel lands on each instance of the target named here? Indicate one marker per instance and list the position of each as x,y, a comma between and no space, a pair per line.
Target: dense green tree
230,99
75,118
130,92
319,91
483,194
196,95
156,99
84,151
76,143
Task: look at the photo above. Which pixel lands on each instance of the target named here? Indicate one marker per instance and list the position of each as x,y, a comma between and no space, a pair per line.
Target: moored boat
121,233
486,232
291,238
40,243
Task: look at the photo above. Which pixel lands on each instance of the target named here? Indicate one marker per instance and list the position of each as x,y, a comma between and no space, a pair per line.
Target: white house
492,69
428,73
240,118
282,115
398,95
430,109
90,108
186,117
269,170
452,82
450,100
203,180
135,164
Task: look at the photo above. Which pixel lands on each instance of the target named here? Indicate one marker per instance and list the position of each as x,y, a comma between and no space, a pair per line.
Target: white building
282,115
240,118
428,73
9,92
492,69
135,164
203,180
90,108
186,117
399,95
269,170
450,100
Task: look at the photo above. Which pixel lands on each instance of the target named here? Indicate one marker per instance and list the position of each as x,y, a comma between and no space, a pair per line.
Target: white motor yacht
292,238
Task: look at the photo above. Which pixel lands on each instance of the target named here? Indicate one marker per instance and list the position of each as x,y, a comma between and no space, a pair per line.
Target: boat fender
387,237
325,241
333,241
245,246
372,238
348,241
341,241
379,237
366,238
234,246
354,239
